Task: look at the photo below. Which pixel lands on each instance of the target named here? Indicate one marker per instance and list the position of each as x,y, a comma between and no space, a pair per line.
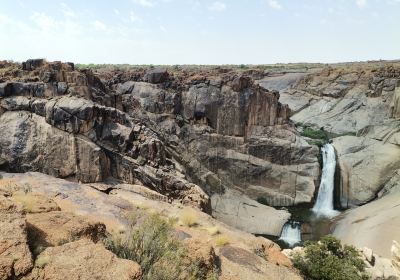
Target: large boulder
248,215
82,260
156,76
238,263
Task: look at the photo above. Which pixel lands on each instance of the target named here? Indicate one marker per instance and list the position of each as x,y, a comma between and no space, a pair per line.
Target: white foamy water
291,233
324,204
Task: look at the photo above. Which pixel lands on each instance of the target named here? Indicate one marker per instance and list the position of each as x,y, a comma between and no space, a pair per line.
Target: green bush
320,134
318,143
160,254
328,259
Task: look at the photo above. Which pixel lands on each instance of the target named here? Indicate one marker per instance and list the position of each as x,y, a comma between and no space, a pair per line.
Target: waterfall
291,233
324,204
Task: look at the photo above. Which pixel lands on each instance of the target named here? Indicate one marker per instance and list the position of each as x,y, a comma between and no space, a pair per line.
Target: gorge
242,147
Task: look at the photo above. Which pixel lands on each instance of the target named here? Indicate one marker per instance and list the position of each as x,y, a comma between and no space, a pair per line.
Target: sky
200,31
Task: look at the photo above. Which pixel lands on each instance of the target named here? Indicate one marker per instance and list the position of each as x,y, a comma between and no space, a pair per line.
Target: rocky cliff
207,138
357,105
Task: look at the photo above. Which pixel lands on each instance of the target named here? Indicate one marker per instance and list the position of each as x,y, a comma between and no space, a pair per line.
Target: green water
312,227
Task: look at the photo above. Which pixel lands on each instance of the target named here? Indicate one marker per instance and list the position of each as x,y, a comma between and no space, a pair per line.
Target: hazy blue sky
200,31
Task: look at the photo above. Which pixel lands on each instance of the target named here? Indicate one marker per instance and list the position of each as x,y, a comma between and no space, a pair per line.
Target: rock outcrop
77,136
82,260
66,240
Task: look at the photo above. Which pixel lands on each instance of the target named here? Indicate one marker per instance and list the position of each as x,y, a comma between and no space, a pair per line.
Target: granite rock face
78,134
357,106
189,136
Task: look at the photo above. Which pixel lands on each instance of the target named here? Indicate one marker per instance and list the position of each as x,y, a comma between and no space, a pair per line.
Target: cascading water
324,204
291,233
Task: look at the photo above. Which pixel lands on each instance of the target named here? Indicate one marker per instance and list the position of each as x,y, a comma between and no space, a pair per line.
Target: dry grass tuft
27,200
189,217
222,240
213,230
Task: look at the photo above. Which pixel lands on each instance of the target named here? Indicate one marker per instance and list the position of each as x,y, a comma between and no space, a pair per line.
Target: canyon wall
357,105
206,138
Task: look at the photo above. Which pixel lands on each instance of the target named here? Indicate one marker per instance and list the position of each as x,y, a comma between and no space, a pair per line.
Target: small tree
328,259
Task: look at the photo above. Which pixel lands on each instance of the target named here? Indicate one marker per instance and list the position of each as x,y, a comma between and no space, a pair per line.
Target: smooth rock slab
235,209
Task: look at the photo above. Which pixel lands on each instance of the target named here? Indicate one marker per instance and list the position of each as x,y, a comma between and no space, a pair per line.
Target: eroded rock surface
82,260
15,256
66,234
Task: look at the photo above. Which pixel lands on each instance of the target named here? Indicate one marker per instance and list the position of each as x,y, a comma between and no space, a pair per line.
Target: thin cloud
217,6
43,21
116,11
3,18
67,11
361,3
145,3
99,25
274,4
133,17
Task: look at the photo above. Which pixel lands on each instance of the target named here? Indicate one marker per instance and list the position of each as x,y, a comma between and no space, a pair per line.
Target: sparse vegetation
160,254
141,160
189,218
213,230
328,259
41,262
319,134
318,143
222,240
27,200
